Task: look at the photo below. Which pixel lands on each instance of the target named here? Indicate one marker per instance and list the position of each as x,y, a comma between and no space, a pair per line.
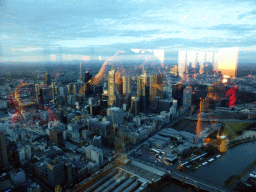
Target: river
233,162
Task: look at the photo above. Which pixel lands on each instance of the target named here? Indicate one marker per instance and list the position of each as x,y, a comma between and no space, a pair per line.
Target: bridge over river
197,183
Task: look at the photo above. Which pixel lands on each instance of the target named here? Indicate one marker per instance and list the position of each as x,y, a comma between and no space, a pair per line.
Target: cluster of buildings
62,133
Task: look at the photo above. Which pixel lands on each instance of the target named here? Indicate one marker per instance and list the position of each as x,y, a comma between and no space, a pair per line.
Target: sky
44,30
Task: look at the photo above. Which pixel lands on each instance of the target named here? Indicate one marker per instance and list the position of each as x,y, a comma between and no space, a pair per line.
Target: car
252,175
205,163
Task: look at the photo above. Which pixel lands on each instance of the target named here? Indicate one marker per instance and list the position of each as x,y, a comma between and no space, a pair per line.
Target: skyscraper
135,108
156,87
143,91
153,88
47,79
177,93
54,91
187,96
126,84
64,93
87,76
111,88
3,152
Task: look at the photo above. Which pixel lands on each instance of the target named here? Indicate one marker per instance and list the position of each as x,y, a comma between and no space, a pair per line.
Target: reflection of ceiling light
222,136
224,81
136,50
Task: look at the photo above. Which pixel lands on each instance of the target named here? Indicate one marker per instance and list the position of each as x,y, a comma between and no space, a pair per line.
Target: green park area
236,127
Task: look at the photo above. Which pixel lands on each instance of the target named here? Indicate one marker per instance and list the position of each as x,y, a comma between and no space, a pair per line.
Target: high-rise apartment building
111,88
3,152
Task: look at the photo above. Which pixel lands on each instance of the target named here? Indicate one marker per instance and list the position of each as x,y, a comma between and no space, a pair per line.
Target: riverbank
223,167
233,178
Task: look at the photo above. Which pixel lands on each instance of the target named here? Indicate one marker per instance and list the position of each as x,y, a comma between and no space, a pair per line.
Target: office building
47,79
76,88
18,176
143,91
153,88
98,127
167,92
56,172
68,173
71,99
111,88
116,115
54,92
94,154
119,85
64,93
135,105
3,152
46,95
87,76
156,87
38,87
56,136
70,88
156,103
177,93
164,105
187,96
126,84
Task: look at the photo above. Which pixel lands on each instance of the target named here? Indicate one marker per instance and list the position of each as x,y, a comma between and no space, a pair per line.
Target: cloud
248,14
239,29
